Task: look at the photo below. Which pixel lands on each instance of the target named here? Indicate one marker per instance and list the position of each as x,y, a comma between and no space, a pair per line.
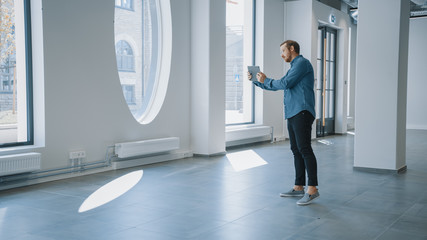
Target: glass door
325,87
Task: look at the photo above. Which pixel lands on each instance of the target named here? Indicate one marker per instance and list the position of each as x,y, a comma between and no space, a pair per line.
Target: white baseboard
248,141
416,127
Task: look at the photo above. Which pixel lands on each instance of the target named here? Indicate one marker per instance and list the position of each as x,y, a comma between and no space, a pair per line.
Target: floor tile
206,198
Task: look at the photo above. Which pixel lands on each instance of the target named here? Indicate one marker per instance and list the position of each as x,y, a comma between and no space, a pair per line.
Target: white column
208,76
381,78
269,36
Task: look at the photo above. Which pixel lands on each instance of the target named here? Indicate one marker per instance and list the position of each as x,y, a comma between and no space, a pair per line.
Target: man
298,84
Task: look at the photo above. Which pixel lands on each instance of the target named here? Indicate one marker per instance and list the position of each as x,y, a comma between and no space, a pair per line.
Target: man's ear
291,49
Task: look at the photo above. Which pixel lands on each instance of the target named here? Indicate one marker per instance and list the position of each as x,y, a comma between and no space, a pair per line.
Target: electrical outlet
77,155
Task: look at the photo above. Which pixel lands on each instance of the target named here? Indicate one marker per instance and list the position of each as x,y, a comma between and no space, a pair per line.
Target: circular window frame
159,72
164,63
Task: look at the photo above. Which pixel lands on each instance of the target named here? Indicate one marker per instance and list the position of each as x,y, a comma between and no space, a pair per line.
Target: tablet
253,70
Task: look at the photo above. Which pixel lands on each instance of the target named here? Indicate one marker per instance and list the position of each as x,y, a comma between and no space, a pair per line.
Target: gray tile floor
206,198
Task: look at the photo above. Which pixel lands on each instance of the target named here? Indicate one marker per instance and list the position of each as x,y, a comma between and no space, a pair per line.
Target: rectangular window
16,111
126,4
129,93
239,103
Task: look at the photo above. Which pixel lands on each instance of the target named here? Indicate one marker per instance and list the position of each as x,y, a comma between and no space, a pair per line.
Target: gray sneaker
293,193
307,199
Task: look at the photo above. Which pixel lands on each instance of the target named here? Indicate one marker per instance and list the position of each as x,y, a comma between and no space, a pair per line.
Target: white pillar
208,76
381,78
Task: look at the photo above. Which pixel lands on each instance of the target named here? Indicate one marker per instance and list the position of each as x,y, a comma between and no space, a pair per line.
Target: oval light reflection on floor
111,191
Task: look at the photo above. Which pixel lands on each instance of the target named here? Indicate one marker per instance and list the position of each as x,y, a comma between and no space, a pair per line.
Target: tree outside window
7,63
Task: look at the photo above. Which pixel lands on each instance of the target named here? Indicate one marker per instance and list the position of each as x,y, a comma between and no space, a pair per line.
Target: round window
142,30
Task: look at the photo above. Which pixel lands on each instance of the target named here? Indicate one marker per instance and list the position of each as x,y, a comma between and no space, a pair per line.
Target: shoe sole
307,203
288,195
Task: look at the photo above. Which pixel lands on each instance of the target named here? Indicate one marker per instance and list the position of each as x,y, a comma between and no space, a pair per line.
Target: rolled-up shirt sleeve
292,78
270,84
258,84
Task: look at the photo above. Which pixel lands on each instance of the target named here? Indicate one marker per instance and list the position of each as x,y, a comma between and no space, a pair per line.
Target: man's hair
290,43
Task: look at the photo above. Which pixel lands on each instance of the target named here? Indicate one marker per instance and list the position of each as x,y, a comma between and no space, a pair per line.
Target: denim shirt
298,86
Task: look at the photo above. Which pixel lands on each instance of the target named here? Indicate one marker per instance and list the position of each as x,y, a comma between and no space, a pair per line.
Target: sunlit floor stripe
326,142
244,160
111,191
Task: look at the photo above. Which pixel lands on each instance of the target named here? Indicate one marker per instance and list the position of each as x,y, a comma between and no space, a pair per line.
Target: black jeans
299,127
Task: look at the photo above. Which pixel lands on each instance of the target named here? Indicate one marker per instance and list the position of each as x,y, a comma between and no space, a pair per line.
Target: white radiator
247,133
19,163
145,147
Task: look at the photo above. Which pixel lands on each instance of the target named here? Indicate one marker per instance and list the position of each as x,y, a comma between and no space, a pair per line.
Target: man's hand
261,77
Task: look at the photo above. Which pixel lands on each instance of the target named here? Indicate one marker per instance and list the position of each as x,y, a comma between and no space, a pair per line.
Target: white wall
269,36
298,21
302,19
321,14
84,106
417,80
83,102
298,25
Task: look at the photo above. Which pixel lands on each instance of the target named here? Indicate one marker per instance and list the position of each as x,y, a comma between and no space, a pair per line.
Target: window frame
152,80
149,108
9,82
122,57
132,86
131,8
29,79
253,63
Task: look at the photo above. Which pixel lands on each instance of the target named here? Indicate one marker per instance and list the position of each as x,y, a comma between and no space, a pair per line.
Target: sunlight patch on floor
244,160
326,142
111,191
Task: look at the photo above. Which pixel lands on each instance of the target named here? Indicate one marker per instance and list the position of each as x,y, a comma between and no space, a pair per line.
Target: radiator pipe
65,172
77,168
81,166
